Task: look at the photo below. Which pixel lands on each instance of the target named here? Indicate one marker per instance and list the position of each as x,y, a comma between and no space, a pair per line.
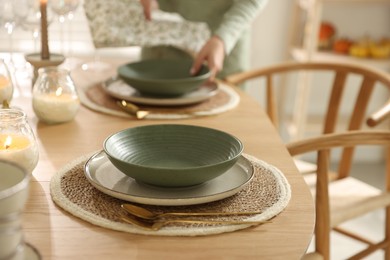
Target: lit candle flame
59,91
8,142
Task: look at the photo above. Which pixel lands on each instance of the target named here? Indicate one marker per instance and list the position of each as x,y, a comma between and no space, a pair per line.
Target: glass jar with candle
55,99
6,86
17,140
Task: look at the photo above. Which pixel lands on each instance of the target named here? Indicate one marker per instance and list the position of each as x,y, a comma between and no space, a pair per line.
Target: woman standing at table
227,50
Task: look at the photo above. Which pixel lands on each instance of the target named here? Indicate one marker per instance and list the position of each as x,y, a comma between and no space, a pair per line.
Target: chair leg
322,227
387,233
387,209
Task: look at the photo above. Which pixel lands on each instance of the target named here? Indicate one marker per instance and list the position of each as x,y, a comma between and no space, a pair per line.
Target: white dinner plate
103,175
117,88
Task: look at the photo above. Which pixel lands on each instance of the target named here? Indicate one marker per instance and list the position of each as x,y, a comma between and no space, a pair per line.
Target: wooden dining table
58,234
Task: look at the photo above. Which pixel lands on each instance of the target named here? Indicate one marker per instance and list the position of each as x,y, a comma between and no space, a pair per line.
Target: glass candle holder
6,85
55,99
17,140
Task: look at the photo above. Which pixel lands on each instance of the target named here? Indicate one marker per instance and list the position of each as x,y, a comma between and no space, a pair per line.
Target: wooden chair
345,198
338,85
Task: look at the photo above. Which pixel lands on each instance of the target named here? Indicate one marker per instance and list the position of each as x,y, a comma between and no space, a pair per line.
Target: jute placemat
94,97
268,192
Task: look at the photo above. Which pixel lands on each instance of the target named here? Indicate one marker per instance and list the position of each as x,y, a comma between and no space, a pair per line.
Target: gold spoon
147,214
132,109
157,225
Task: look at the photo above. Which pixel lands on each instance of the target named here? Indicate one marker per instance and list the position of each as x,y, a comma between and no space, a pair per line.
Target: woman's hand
213,52
148,6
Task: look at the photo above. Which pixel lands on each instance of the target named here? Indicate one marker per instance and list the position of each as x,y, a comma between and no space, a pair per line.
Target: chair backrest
340,71
321,144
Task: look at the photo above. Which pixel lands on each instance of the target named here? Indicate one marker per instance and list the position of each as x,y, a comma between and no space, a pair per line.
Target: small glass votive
14,192
17,140
55,99
6,85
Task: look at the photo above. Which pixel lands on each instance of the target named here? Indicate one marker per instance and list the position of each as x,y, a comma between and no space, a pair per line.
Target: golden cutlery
157,225
147,214
141,114
132,109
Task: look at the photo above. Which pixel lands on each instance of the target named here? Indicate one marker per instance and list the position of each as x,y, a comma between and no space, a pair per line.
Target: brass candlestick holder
37,62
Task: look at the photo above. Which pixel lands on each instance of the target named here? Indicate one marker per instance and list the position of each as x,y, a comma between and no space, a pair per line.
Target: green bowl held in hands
163,77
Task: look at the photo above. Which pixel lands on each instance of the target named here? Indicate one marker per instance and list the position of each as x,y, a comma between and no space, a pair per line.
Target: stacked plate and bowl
170,164
161,82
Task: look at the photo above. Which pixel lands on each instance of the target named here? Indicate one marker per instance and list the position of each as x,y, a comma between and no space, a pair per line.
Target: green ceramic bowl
163,77
172,155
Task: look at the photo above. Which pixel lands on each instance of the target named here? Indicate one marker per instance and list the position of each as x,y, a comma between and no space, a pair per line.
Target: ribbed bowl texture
172,155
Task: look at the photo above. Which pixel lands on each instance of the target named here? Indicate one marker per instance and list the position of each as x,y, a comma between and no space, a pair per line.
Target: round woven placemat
95,98
268,192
